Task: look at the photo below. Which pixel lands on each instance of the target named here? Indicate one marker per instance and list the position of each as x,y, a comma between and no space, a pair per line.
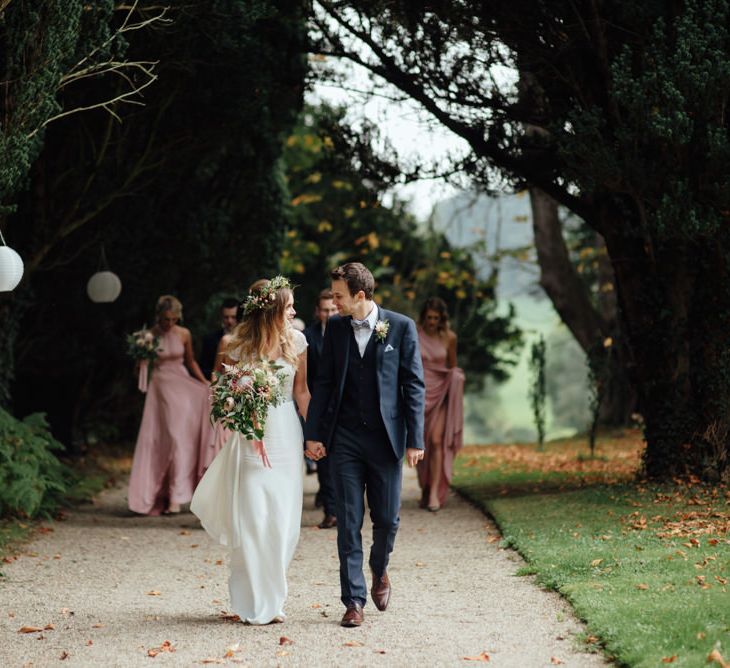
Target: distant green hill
501,412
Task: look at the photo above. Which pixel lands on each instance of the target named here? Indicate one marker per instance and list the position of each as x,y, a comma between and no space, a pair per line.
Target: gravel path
115,586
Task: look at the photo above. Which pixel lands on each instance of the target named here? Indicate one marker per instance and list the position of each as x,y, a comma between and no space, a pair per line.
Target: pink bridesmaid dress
219,434
444,388
175,429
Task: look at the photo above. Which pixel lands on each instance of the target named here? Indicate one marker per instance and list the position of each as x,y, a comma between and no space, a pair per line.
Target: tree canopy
185,193
618,113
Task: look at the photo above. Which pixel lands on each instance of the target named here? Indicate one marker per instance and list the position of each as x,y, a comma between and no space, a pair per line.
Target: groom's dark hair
357,276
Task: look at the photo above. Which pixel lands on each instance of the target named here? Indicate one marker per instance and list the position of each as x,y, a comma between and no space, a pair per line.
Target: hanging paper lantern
104,287
11,269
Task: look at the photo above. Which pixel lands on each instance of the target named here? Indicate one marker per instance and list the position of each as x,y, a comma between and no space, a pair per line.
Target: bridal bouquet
142,345
242,396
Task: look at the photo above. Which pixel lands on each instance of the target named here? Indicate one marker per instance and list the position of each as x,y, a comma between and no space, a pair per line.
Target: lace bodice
290,371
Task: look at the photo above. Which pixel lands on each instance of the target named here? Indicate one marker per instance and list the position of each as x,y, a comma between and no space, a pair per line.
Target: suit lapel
379,347
379,352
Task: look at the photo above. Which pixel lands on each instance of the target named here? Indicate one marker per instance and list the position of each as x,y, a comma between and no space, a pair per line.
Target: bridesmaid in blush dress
175,423
219,434
444,414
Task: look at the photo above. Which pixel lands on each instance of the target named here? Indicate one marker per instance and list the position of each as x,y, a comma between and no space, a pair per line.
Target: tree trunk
675,302
558,277
572,301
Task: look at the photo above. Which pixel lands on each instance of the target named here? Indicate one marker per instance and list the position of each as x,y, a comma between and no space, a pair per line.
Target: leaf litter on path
166,646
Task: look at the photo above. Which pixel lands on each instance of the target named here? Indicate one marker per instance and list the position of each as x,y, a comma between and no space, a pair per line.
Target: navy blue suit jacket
401,388
314,337
208,351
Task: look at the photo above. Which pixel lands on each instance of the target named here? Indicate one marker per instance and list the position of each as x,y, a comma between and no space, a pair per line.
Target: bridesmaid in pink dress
175,422
444,421
219,434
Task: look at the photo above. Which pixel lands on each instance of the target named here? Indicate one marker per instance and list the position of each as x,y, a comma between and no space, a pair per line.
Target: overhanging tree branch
390,70
89,67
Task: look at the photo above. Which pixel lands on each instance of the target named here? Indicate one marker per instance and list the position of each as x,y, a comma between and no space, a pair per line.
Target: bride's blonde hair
254,337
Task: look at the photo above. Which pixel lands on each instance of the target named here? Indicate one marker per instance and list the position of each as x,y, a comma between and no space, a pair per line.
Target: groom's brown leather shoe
380,591
353,616
329,522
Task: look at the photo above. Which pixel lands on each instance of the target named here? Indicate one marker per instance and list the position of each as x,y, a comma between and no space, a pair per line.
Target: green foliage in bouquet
242,396
33,482
143,345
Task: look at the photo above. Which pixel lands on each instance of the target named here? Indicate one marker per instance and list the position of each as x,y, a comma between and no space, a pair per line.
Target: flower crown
265,297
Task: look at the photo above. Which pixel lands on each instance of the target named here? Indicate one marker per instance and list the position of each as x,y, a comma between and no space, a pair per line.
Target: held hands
260,449
413,456
315,450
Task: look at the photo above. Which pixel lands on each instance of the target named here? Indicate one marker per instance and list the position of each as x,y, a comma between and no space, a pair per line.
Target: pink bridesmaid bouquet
241,397
142,345
142,348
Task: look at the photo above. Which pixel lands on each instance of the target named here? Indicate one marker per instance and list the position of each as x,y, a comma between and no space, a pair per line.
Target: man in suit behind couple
366,415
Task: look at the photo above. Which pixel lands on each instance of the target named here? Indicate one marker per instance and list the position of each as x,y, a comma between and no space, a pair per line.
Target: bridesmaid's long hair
254,337
439,305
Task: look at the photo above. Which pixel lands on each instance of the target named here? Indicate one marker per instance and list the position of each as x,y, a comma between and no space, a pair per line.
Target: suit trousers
326,487
364,465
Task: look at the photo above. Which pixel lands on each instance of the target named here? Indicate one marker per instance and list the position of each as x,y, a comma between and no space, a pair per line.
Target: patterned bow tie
360,324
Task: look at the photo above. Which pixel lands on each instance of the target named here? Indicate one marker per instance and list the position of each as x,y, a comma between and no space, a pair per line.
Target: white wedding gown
256,511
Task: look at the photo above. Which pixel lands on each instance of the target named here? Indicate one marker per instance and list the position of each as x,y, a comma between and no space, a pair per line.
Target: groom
366,413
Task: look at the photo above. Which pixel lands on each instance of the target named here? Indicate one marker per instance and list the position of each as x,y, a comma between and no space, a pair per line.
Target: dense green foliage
186,195
33,482
625,104
640,564
39,43
338,215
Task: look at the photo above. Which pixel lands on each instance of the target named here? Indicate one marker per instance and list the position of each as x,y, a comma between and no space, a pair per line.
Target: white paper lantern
104,287
11,269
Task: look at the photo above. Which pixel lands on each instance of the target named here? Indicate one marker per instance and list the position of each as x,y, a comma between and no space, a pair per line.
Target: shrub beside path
109,589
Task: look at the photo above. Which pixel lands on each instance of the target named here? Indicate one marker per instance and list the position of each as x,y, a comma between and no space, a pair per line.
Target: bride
250,498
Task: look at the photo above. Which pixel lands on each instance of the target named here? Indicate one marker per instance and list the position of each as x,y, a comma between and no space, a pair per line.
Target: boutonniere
381,329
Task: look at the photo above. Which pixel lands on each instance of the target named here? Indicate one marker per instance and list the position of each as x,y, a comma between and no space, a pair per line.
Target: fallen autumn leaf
483,657
716,657
29,629
166,646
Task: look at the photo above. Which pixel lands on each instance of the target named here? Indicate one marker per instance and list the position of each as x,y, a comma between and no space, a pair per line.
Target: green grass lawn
646,566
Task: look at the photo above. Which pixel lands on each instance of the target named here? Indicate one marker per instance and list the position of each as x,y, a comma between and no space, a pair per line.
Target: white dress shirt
362,336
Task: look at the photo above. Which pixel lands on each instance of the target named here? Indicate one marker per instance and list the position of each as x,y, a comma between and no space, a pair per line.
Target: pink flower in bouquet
229,403
243,384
